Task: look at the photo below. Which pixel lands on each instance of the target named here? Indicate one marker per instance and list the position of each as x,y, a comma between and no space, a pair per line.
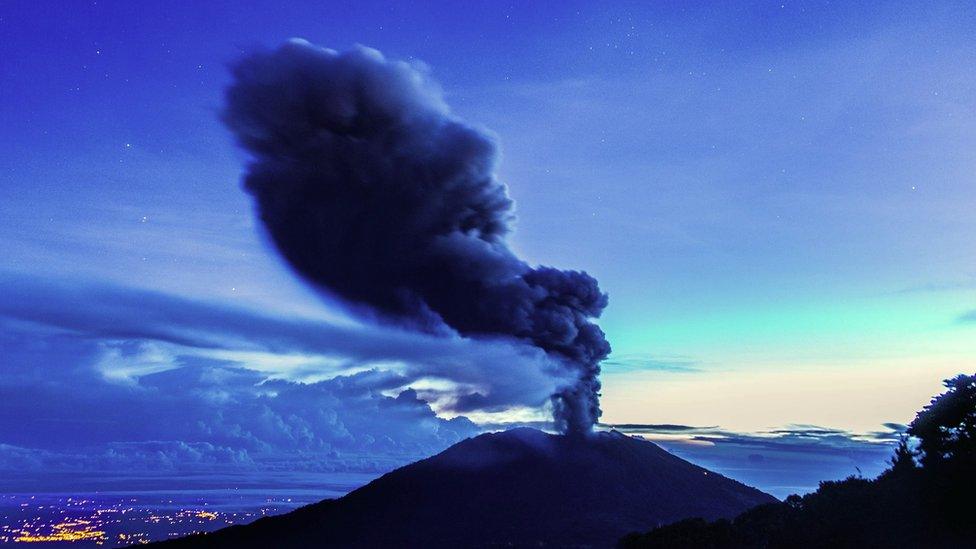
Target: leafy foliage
946,428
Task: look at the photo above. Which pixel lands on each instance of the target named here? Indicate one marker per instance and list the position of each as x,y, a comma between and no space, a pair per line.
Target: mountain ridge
515,488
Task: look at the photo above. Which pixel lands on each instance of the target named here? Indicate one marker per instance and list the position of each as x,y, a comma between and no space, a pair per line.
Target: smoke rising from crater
376,194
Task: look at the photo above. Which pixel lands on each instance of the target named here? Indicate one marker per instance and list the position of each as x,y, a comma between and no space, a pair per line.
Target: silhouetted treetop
946,428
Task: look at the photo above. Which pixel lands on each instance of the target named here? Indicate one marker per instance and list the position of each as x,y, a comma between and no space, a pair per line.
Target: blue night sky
777,197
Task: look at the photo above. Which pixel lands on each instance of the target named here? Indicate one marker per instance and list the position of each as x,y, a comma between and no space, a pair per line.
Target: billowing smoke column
374,192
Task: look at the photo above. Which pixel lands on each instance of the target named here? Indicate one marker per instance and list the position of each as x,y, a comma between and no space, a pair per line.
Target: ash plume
378,196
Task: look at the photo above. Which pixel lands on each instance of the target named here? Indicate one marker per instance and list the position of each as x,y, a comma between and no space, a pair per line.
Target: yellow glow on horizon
858,396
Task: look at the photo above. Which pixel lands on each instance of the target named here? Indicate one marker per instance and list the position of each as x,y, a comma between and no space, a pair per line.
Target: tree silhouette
946,428
903,461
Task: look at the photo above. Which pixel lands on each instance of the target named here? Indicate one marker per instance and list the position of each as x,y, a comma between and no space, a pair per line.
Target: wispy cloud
658,428
646,362
967,317
967,283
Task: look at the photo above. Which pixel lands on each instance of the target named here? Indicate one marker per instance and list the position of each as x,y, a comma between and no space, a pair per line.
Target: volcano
515,488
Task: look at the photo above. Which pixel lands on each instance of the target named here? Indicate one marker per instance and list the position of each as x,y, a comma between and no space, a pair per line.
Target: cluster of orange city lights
111,522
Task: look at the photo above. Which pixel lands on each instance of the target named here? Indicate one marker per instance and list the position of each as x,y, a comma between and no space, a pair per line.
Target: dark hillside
515,488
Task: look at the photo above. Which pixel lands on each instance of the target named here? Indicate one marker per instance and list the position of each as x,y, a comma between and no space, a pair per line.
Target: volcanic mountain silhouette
516,488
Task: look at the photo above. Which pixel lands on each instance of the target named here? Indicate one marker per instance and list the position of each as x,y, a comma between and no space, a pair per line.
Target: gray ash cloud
381,198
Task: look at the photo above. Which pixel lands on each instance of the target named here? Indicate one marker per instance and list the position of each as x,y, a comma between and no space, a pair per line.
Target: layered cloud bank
102,379
107,377
784,461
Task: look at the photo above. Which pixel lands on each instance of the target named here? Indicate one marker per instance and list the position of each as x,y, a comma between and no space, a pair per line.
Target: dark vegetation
927,498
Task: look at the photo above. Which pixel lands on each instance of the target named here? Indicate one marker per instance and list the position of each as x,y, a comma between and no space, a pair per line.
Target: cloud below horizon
110,379
60,412
789,460
101,377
